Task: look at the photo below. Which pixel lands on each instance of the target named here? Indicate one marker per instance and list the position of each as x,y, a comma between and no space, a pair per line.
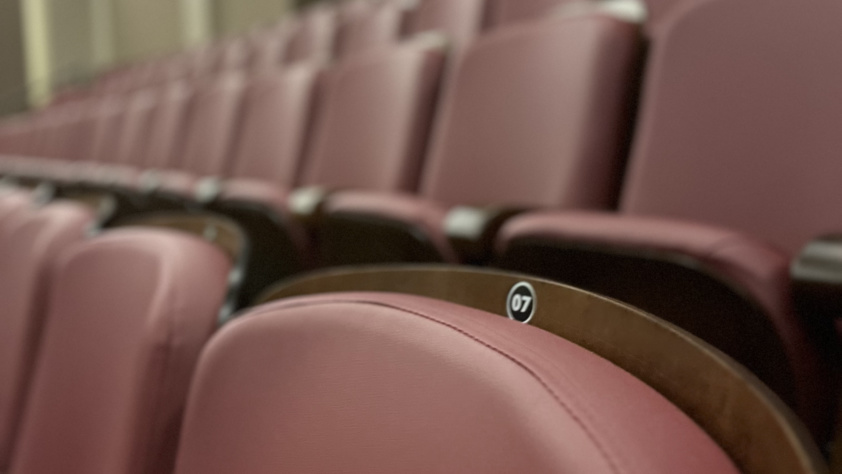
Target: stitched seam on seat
609,457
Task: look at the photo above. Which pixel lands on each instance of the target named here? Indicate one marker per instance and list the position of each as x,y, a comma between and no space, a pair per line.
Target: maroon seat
370,130
459,20
314,36
269,48
209,134
371,124
276,113
108,120
30,239
127,315
536,115
378,27
232,55
169,124
134,131
213,121
377,383
736,132
503,12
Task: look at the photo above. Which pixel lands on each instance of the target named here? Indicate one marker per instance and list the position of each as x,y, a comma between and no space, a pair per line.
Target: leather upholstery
109,117
504,12
376,383
169,120
213,124
269,49
552,137
377,28
734,138
276,116
30,243
744,260
374,114
127,315
459,20
137,122
314,37
564,121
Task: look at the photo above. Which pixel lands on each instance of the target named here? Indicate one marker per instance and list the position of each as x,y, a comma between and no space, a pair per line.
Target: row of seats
415,151
114,364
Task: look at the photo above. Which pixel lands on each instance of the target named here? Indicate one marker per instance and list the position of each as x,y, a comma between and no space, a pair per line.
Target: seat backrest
232,55
314,37
739,128
422,386
378,27
109,117
373,118
30,243
537,114
127,315
759,433
269,48
213,123
276,116
137,122
504,12
169,124
459,20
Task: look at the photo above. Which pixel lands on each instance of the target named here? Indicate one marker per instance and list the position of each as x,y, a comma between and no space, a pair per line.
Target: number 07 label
520,304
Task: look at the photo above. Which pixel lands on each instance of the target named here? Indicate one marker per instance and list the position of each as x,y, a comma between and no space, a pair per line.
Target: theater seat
377,27
377,383
209,136
314,36
30,239
371,122
732,170
459,20
127,314
535,115
169,124
504,12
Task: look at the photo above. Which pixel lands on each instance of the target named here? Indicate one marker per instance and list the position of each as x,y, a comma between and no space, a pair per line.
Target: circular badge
520,304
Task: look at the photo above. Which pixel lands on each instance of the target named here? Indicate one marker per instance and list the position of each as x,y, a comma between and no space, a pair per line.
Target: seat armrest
472,230
307,203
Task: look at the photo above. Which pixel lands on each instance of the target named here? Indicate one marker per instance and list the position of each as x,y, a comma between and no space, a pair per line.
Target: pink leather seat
535,115
127,315
232,55
30,239
383,383
269,48
277,106
212,126
503,12
109,116
378,27
209,135
169,125
371,124
314,37
733,167
459,20
134,132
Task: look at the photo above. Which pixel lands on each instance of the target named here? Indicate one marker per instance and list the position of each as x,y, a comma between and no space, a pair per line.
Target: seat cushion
27,252
127,315
747,264
377,383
